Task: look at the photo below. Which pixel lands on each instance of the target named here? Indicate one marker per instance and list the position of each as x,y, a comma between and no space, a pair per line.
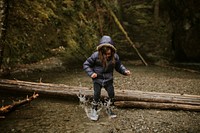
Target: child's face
108,54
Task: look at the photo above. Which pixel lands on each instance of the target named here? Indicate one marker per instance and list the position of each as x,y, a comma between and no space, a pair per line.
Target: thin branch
8,108
125,33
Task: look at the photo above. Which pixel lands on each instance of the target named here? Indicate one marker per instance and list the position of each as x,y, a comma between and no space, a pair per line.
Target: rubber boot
94,105
94,116
109,107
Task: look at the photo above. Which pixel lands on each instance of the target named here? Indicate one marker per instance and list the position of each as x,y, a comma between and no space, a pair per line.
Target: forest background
163,31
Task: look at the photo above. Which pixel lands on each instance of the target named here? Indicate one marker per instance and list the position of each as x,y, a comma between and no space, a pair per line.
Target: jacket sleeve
89,64
119,67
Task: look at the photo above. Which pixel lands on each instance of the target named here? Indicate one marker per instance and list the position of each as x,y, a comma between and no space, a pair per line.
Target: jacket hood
106,41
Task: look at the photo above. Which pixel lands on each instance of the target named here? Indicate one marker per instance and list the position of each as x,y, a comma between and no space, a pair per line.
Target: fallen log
121,95
61,90
155,105
14,105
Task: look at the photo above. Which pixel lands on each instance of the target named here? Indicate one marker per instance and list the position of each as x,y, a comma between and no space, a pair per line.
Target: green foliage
37,27
27,34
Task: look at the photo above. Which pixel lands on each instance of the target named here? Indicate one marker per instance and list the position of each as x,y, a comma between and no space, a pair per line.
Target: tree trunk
61,90
156,11
155,105
4,10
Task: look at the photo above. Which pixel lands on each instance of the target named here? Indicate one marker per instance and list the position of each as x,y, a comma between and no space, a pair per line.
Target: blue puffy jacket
94,65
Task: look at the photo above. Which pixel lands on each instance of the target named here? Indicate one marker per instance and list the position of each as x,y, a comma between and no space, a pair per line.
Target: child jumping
100,66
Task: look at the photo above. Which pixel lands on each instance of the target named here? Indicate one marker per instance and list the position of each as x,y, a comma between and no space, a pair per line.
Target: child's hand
94,75
127,72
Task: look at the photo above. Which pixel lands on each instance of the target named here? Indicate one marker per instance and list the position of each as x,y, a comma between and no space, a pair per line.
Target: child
100,66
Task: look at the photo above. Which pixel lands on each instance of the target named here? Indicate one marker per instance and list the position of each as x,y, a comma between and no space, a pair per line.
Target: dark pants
97,91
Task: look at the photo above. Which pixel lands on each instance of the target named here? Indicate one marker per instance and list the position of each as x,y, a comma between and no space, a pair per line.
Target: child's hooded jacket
94,65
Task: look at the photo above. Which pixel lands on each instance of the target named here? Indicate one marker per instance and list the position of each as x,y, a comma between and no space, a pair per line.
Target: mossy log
61,90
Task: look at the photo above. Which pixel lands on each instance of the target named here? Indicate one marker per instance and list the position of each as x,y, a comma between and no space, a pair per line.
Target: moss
36,27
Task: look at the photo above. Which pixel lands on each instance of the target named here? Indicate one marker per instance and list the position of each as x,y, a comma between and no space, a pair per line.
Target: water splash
91,113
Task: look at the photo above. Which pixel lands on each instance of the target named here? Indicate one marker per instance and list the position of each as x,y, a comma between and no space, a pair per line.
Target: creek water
56,115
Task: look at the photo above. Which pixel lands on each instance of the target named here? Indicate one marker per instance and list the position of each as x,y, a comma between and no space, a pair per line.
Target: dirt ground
153,79
72,118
